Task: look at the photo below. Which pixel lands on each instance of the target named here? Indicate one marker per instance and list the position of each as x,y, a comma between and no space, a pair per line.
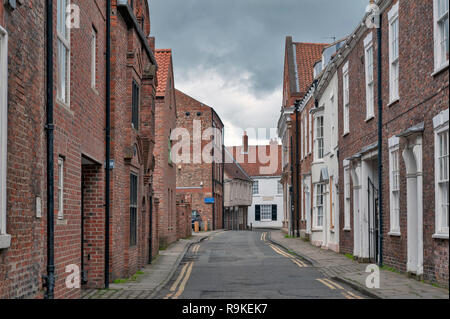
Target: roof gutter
128,15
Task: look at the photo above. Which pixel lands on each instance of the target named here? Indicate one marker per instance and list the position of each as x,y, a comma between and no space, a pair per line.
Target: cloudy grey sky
229,54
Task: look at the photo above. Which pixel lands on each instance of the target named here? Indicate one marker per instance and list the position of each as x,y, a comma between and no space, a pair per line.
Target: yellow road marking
333,283
347,296
299,263
326,284
354,295
168,296
183,283
175,284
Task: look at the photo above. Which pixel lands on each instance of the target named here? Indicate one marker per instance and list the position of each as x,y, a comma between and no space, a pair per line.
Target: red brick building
414,95
299,62
79,145
200,138
165,170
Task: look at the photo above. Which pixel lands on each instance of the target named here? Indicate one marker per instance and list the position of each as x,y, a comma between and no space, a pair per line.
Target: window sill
345,134
440,69
393,102
394,234
64,106
440,236
315,230
5,241
347,229
370,118
319,161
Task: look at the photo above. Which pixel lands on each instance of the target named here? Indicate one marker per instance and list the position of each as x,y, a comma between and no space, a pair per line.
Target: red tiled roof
306,55
163,58
260,160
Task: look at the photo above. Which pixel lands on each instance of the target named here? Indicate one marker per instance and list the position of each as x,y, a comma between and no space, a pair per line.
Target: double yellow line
333,286
195,248
263,236
178,286
296,261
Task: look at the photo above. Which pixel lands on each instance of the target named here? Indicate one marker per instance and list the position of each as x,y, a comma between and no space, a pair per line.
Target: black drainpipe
380,143
297,167
107,137
50,127
291,191
150,238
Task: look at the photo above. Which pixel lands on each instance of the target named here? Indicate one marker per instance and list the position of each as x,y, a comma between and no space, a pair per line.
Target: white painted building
263,164
325,167
267,206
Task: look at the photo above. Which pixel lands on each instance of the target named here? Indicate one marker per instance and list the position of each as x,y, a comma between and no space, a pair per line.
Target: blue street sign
209,200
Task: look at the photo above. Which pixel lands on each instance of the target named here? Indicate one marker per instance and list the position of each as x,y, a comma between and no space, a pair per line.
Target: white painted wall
327,235
268,195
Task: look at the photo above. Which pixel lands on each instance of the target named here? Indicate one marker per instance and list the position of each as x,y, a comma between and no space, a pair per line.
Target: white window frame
279,187
5,239
305,127
63,41
267,210
302,144
319,140
310,133
441,125
440,62
60,188
370,82
346,97
319,208
394,185
255,188
394,46
94,58
347,192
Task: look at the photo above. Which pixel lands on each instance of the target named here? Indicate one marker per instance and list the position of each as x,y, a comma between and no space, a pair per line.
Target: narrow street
244,264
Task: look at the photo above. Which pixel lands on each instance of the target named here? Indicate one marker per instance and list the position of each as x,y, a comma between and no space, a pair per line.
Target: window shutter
274,212
257,213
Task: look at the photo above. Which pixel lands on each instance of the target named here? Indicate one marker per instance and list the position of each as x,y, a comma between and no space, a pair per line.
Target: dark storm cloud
247,35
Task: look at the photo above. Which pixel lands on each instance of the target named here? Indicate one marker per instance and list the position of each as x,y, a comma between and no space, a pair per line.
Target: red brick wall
23,264
422,96
130,147
184,220
93,183
191,175
165,172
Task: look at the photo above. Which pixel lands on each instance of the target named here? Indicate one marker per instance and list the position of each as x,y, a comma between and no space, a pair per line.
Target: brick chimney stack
245,142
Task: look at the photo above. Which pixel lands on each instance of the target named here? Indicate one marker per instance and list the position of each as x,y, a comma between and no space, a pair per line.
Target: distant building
196,176
237,194
164,177
263,164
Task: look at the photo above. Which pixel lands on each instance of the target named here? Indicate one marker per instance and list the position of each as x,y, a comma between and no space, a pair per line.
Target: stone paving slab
346,270
154,276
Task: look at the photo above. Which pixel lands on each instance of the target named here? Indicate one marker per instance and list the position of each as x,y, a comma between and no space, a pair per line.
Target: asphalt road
244,264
